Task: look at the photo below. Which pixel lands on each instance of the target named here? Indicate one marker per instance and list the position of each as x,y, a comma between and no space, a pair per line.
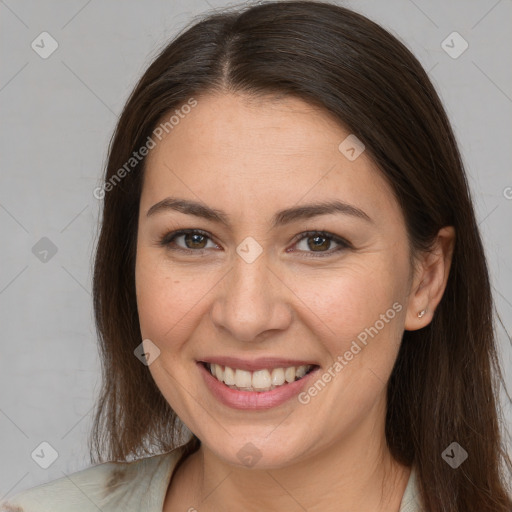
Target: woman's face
252,291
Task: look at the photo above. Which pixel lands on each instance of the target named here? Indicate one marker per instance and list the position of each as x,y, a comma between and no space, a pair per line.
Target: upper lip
259,363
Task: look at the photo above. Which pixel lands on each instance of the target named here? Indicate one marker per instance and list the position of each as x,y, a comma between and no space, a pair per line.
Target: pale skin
251,159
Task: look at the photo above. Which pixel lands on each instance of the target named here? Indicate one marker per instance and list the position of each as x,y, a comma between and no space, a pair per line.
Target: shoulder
137,485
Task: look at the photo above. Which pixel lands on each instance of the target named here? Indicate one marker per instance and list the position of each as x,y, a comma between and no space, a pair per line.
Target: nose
251,301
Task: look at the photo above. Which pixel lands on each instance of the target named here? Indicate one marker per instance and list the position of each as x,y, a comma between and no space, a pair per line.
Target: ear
429,281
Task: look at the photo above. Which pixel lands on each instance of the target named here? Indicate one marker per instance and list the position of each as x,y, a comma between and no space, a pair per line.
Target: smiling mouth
259,380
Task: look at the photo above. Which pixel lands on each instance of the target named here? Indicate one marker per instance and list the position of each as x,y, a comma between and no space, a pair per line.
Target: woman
358,379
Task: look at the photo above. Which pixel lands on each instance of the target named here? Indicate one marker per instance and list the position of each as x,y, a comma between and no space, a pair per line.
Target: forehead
224,124
231,149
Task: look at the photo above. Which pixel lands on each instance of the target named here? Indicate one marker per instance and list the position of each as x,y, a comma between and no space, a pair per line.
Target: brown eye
320,242
193,240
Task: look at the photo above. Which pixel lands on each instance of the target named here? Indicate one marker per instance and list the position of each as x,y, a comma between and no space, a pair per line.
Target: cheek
358,318
168,299
342,303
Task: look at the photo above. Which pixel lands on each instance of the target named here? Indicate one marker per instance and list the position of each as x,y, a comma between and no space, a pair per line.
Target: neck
349,476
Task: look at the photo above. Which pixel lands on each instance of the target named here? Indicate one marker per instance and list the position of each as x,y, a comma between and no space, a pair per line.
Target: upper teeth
260,380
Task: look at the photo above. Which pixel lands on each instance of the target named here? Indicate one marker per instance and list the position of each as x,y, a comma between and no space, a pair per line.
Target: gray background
57,118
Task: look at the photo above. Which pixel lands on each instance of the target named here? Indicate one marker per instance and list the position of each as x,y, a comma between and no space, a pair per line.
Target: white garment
137,486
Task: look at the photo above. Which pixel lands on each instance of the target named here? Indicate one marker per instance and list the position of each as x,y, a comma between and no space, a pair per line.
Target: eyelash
169,238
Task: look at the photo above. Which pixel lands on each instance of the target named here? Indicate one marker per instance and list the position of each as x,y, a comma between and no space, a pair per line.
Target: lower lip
253,400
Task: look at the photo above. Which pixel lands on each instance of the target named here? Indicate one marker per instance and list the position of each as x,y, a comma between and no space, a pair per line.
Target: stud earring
422,313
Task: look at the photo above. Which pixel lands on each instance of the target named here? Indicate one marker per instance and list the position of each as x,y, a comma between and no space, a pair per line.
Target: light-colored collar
411,500
137,486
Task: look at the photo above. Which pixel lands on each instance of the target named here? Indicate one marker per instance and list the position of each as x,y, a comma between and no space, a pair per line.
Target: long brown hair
445,382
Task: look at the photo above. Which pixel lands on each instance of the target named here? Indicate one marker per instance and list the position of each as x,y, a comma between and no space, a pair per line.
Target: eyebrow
280,218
